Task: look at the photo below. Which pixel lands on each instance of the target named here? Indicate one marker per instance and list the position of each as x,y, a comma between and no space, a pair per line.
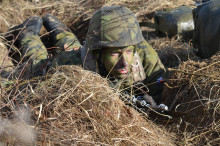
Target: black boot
53,25
31,26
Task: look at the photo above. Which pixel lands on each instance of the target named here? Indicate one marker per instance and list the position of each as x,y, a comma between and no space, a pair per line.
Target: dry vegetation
194,88
66,107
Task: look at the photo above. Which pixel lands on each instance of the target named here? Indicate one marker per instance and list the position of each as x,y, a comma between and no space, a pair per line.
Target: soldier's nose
123,61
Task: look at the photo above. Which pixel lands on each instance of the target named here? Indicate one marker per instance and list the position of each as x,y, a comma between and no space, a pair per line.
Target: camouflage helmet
114,26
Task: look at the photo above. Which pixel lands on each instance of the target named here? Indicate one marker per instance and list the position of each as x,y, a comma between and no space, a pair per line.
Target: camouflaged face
151,66
114,26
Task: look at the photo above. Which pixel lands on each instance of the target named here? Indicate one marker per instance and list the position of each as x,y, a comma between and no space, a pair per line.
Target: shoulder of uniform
143,45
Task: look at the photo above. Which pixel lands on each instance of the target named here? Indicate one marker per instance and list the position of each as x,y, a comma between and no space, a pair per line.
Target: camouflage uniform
117,26
34,52
33,49
109,27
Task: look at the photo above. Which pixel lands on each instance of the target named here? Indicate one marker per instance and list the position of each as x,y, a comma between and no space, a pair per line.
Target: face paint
118,61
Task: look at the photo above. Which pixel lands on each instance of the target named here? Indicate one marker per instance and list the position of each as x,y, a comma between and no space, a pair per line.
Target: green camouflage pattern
125,32
207,29
33,49
68,52
67,58
114,26
149,58
153,67
66,41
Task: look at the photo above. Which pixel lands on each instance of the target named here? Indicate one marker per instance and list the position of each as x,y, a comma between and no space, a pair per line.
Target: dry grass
173,52
68,108
74,12
194,86
5,60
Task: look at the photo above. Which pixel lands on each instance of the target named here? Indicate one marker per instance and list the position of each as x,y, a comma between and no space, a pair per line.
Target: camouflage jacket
153,69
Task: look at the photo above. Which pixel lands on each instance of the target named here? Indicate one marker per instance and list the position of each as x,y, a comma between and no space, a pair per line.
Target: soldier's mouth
123,71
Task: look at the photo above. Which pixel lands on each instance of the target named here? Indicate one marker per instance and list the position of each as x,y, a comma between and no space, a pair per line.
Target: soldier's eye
115,54
130,51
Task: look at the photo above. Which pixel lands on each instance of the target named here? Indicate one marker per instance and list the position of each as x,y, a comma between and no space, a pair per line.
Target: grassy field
65,107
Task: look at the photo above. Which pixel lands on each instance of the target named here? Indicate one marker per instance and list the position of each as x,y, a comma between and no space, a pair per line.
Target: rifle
147,101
